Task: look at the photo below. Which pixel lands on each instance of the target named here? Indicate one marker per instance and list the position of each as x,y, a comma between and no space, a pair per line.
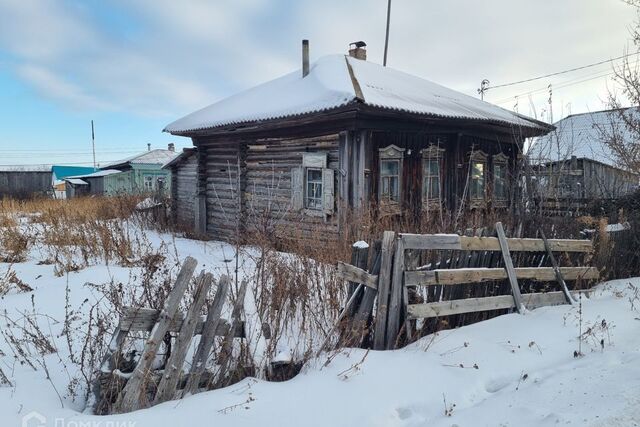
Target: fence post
395,300
386,262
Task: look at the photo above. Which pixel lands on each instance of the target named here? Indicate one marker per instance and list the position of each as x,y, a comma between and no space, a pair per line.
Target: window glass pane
477,180
313,196
431,179
389,167
500,187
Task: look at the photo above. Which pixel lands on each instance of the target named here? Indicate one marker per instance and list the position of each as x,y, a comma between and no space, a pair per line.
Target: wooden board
454,242
479,275
508,266
396,295
142,319
384,284
354,274
472,305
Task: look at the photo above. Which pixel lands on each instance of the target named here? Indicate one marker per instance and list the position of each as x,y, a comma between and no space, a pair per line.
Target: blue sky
134,66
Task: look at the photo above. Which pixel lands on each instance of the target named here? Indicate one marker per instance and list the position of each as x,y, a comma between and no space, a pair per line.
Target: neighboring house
23,182
344,134
140,174
184,173
573,165
59,173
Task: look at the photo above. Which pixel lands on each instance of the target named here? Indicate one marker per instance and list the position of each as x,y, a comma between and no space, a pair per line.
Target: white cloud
186,54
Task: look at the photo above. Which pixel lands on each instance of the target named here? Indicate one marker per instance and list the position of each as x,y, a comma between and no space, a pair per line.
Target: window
500,162
390,184
500,181
390,179
313,195
148,183
431,176
477,182
312,185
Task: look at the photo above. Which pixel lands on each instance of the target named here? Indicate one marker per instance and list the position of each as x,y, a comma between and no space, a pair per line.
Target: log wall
184,191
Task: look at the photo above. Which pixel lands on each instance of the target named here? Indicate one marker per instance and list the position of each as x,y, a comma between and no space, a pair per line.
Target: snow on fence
463,275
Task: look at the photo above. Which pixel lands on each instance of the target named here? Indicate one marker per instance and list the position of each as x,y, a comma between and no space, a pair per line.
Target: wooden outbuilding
184,174
573,165
344,134
23,182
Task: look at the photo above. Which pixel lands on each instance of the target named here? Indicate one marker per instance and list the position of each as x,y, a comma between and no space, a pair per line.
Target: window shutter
297,189
327,191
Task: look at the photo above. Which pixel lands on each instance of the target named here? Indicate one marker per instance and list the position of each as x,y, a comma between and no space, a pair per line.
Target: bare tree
622,131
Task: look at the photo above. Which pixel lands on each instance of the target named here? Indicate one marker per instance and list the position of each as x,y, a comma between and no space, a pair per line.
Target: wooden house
345,134
60,172
139,174
574,165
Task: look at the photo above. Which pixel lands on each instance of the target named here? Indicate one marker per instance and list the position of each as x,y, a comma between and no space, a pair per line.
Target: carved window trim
478,157
502,161
390,153
429,154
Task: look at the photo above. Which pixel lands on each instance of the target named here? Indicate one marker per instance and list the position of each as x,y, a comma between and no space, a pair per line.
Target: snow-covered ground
514,370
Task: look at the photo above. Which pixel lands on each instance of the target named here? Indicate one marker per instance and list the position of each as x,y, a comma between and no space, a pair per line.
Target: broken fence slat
227,344
132,397
143,319
173,369
357,275
201,355
479,275
556,270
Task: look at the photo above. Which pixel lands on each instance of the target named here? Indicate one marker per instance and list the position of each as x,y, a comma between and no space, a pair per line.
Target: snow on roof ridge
333,82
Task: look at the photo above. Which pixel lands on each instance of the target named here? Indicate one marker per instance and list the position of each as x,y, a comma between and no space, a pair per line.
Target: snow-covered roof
337,80
152,157
186,153
26,168
76,181
98,174
581,135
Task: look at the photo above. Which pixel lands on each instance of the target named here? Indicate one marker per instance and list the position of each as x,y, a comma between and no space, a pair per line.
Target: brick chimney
358,50
171,147
305,58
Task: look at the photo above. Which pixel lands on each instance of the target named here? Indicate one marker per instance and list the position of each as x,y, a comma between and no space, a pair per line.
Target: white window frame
146,180
318,202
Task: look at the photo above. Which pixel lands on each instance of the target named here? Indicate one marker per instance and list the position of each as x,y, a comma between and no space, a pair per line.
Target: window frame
318,206
478,157
390,153
429,154
501,160
148,179
313,161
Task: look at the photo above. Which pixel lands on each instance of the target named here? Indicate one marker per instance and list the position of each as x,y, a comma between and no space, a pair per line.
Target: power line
563,72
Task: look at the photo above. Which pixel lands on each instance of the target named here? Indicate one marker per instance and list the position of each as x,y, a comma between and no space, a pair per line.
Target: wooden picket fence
119,392
465,274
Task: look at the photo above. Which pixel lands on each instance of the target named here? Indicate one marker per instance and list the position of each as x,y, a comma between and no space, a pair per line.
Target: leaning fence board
472,305
357,275
143,319
132,396
173,368
455,242
478,275
201,355
396,296
508,266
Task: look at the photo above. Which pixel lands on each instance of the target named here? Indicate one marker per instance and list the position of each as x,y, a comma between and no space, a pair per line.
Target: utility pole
386,37
93,145
484,86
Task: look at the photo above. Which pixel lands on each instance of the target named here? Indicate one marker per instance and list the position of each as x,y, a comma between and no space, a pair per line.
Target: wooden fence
143,384
463,274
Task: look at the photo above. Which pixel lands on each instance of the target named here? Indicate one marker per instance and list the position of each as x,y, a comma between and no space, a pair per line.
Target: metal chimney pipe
148,146
305,58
